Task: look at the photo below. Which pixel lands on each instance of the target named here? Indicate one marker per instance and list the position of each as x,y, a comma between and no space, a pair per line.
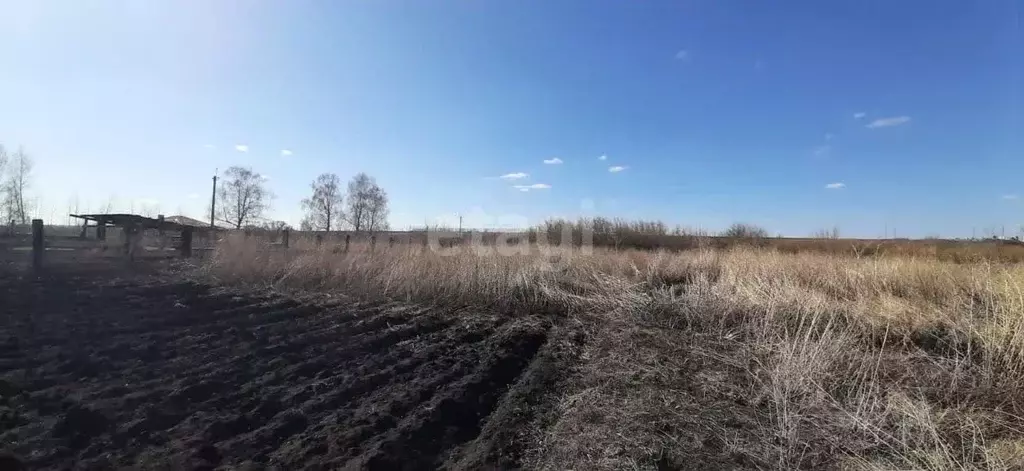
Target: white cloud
285,152
889,122
617,168
822,151
835,186
535,186
1010,197
603,157
554,161
682,55
860,115
193,196
241,147
514,176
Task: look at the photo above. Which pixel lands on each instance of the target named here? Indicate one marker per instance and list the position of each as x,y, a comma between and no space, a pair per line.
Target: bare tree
243,196
367,204
148,209
324,206
378,210
827,233
15,186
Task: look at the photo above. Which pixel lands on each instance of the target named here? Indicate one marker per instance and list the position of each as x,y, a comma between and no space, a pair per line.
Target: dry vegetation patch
739,358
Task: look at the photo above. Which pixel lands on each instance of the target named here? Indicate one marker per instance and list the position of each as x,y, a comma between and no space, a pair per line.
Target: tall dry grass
762,358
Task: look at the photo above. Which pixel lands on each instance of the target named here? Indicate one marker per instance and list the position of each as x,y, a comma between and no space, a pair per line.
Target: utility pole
213,200
460,225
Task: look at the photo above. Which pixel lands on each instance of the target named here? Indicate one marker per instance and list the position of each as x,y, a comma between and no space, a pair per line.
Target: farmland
739,357
150,372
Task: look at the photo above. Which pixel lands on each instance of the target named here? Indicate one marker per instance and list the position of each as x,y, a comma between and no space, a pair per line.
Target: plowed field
144,372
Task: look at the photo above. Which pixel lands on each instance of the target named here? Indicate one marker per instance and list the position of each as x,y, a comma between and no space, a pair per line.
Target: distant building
186,221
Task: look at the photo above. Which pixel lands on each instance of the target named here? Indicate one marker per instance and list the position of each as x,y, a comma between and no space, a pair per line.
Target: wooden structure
133,225
136,222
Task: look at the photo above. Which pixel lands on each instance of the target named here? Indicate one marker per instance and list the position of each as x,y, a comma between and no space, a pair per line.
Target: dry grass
734,358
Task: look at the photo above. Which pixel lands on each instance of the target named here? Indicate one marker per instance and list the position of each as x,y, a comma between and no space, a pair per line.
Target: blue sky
719,111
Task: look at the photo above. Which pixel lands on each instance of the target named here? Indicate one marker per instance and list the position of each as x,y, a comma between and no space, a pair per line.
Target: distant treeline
655,235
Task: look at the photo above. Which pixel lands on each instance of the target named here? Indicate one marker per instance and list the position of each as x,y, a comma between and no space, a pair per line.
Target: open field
746,358
742,358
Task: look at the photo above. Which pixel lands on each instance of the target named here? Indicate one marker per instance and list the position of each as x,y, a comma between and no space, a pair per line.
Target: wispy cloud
554,161
535,186
285,152
860,115
514,176
829,136
889,122
1010,197
822,151
209,146
193,196
836,186
682,55
241,147
617,168
602,157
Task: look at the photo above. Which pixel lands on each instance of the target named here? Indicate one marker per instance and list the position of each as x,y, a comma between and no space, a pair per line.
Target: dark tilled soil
142,372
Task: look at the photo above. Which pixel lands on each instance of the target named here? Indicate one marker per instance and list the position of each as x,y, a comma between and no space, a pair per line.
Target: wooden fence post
186,242
347,237
319,240
160,232
373,243
284,237
126,234
391,242
131,232
37,244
